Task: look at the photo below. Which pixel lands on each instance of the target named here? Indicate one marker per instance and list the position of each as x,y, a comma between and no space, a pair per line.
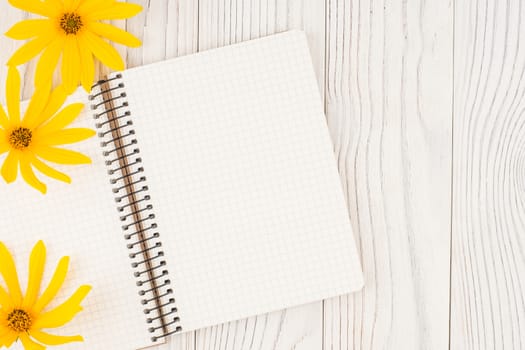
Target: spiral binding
120,149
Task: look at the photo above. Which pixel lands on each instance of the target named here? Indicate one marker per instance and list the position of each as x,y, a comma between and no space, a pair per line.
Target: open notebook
213,196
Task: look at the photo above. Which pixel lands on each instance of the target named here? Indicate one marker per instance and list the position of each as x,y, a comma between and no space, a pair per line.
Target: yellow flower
72,30
24,316
36,136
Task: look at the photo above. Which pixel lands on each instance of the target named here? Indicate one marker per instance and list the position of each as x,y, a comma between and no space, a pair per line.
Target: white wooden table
425,104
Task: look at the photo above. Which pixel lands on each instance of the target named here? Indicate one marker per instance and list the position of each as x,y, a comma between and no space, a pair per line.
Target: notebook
213,196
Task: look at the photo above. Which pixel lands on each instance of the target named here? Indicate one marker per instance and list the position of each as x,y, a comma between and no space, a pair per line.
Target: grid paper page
79,220
243,180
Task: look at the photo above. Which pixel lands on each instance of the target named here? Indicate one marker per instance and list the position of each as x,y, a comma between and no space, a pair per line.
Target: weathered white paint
424,104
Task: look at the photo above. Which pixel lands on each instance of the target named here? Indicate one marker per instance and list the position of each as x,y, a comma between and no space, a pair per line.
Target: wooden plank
169,29
8,17
224,22
488,265
389,108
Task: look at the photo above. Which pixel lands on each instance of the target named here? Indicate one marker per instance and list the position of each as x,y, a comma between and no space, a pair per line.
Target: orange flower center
19,321
70,23
20,138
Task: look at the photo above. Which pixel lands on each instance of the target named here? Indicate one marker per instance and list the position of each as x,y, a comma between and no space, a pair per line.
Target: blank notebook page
79,220
243,180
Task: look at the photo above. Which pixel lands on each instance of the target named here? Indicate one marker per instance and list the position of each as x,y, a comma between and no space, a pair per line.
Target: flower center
19,321
70,23
20,138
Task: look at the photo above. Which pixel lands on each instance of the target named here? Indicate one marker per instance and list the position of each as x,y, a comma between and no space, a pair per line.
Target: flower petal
13,95
117,10
114,34
62,156
4,120
87,74
56,101
8,339
36,106
30,49
10,168
63,118
4,148
50,339
48,61
37,262
8,271
48,171
103,51
88,6
3,328
54,286
35,6
5,301
4,144
71,64
67,136
71,5
27,29
57,6
29,175
63,313
29,344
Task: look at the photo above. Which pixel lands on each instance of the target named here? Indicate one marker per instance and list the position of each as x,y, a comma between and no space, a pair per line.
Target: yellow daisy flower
35,137
72,30
24,316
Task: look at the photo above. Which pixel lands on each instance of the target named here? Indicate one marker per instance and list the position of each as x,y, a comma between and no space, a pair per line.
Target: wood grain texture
397,77
8,17
389,109
488,267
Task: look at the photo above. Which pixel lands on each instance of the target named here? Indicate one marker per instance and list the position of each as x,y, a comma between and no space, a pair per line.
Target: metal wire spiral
127,176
